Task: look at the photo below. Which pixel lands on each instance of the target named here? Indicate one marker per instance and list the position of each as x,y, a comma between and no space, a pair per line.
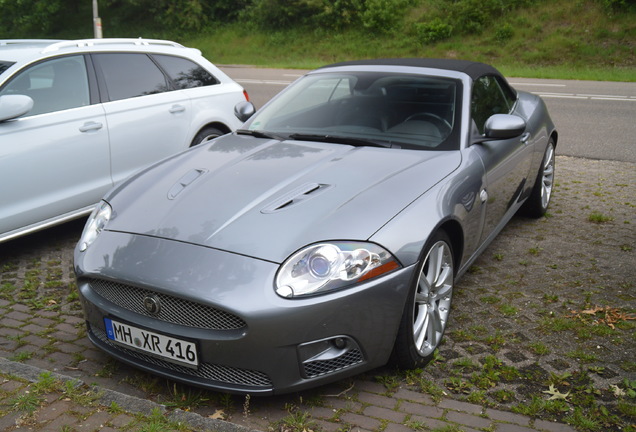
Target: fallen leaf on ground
618,392
218,415
603,315
556,394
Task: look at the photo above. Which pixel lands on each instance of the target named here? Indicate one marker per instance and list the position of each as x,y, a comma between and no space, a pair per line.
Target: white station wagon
78,117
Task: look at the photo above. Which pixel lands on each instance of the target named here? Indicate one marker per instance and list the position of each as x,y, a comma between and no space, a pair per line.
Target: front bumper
249,339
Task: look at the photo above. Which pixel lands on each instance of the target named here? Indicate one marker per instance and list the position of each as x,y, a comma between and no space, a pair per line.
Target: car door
147,119
54,159
506,162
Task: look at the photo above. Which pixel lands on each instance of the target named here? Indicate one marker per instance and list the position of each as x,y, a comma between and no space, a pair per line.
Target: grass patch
78,394
490,299
539,348
295,421
503,396
21,356
414,378
556,324
27,403
186,398
46,383
599,218
390,382
157,422
538,406
583,356
508,310
584,422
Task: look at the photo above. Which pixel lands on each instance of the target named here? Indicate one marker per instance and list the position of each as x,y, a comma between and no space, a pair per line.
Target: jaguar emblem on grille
152,304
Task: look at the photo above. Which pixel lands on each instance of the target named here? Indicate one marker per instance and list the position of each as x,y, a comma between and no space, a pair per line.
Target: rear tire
205,134
428,305
539,200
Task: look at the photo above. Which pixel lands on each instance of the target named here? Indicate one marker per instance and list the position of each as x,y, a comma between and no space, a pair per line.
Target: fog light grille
173,309
208,371
317,368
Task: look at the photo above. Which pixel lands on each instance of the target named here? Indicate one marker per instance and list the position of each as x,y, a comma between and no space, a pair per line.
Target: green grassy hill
570,39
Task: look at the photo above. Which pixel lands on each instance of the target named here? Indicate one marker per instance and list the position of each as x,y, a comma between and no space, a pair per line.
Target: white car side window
54,85
129,75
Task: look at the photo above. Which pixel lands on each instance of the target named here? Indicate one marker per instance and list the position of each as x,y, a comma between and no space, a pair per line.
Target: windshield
4,65
403,110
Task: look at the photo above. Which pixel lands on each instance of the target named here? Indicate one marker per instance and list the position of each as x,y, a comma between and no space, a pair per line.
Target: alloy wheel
433,298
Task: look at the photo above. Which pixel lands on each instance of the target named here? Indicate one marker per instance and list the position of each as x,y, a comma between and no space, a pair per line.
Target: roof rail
7,42
92,42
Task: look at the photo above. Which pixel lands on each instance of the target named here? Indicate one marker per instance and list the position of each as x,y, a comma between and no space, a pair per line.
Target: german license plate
167,347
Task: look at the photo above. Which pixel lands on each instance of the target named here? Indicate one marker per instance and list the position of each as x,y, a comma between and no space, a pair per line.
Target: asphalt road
595,120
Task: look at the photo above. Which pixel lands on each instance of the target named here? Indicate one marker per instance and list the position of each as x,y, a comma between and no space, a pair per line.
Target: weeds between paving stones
28,399
550,303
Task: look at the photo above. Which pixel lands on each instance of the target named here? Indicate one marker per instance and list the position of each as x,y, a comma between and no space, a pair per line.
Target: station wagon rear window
185,73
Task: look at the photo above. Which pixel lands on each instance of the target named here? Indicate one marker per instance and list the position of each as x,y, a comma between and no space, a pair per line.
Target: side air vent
317,368
297,196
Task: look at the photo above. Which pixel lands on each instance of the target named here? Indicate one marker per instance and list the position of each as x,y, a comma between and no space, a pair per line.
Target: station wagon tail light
330,266
95,224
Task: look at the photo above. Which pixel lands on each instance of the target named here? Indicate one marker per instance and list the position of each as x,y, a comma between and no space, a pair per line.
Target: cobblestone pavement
542,334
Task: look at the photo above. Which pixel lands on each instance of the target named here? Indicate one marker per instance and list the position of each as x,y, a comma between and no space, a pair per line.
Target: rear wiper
259,134
361,142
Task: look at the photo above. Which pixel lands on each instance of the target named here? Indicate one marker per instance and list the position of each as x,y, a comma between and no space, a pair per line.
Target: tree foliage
442,18
373,15
473,16
23,18
48,18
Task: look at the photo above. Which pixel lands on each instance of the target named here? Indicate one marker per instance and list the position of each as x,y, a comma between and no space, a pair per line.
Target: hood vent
184,182
296,196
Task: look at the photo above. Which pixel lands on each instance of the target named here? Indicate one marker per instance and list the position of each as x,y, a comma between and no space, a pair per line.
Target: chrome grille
173,309
321,367
208,371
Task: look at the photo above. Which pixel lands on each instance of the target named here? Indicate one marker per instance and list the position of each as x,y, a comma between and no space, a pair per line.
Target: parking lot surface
541,338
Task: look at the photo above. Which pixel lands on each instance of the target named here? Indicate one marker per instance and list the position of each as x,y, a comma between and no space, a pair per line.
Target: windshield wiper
259,134
359,142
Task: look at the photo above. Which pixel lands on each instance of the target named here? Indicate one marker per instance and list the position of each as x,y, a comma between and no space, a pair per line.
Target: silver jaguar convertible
322,239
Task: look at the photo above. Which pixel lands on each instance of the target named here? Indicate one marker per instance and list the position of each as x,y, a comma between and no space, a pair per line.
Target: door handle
177,109
90,126
525,138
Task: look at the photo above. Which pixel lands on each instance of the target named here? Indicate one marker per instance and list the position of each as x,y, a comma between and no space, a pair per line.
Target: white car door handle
90,126
177,109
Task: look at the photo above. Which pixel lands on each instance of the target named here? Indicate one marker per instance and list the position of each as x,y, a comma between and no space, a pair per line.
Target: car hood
267,198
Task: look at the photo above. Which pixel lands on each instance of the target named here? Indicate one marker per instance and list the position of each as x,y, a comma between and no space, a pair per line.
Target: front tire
539,200
428,306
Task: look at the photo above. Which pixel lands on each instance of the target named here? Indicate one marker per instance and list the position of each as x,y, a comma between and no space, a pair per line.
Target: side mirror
13,106
504,126
244,110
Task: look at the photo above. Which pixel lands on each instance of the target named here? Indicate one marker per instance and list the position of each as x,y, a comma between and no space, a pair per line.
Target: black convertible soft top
470,68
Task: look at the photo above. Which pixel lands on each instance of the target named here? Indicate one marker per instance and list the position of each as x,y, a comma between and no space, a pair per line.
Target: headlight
328,266
95,224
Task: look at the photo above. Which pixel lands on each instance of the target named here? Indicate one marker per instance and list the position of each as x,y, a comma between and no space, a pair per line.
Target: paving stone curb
132,404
